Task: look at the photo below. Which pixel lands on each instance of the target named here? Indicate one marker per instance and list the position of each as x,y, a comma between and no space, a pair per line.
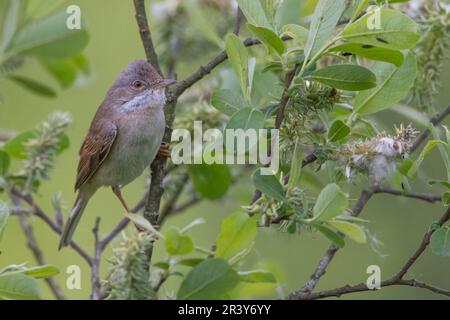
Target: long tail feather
72,222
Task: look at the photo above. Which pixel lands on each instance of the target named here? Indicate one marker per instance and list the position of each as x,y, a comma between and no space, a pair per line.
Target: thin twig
420,196
95,276
397,279
146,37
38,212
434,121
238,21
33,244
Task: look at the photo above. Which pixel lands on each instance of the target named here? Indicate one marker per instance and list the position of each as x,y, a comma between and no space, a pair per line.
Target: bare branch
397,279
238,22
146,37
95,275
420,196
434,121
33,244
41,214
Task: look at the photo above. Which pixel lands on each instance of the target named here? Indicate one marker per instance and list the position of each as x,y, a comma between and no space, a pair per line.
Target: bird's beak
164,83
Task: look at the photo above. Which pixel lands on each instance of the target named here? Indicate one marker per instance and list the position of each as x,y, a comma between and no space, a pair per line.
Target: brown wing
94,150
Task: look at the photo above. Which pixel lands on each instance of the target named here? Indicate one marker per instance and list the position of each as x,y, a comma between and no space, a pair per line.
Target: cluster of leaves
212,274
33,30
19,281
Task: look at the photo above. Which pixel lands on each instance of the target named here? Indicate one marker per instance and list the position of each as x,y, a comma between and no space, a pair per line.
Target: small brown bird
123,139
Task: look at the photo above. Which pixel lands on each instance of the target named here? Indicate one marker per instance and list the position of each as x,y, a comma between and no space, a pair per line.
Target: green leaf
192,262
247,118
238,56
330,203
41,272
396,30
15,146
298,33
440,242
209,280
34,86
425,151
338,131
18,286
254,13
5,162
4,215
49,37
227,101
237,233
351,230
330,234
268,184
324,20
162,265
66,71
268,38
296,166
177,244
393,85
346,77
257,276
211,180
371,52
446,198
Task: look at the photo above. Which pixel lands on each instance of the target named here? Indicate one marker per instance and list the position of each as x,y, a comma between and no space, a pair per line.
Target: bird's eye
137,84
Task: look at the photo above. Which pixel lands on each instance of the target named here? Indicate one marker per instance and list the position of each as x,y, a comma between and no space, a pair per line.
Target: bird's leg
164,150
118,194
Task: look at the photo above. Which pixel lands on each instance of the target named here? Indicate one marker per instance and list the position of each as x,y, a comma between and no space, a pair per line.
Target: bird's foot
164,150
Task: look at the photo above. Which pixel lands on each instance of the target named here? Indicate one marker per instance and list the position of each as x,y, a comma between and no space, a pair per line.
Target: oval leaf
268,38
227,101
371,52
18,286
346,77
210,279
338,131
238,56
268,184
237,233
351,230
385,28
440,242
393,85
211,180
330,203
177,243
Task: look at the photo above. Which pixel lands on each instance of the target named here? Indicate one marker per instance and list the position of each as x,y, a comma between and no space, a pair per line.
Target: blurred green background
114,42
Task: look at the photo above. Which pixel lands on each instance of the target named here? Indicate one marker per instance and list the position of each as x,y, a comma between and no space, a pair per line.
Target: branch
397,279
365,196
434,121
146,37
202,71
35,248
238,21
329,254
41,214
95,275
420,196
